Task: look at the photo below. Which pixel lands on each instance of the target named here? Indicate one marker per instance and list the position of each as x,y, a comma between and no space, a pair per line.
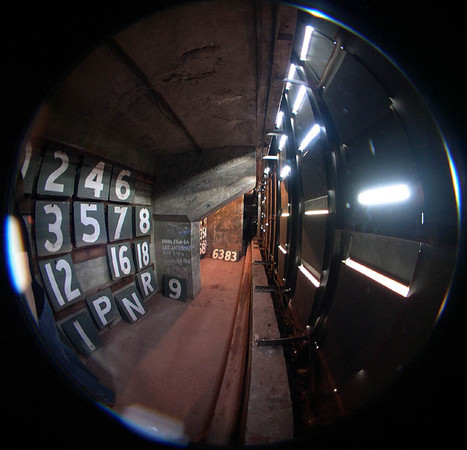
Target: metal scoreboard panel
130,304
82,200
82,332
60,281
146,283
175,288
121,261
89,223
94,179
141,252
119,221
122,185
29,167
143,220
52,227
103,307
57,174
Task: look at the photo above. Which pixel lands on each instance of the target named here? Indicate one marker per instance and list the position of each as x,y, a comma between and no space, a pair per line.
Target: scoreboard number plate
175,288
142,256
89,221
146,283
120,259
57,174
103,307
29,167
143,220
82,332
130,304
120,222
122,185
52,227
60,281
94,179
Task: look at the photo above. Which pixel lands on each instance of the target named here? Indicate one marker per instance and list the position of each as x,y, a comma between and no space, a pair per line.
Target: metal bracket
293,81
265,288
275,132
281,341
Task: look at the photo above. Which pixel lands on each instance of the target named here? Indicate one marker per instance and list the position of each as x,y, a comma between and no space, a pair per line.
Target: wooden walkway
194,369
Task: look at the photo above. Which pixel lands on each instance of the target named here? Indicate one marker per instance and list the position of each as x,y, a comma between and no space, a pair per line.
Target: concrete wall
194,185
177,253
225,229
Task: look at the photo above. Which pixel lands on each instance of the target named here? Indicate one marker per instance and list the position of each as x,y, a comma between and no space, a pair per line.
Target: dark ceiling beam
156,96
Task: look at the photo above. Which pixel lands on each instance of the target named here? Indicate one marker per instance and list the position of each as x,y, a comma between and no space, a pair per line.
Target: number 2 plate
57,174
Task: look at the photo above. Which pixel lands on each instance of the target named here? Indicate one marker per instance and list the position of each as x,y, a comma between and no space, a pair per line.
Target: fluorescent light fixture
309,275
279,117
282,142
299,99
282,249
290,76
316,212
306,42
312,134
285,172
384,195
394,285
271,157
285,214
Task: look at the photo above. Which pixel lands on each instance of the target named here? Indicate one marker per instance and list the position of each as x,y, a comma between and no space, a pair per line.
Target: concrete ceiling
198,77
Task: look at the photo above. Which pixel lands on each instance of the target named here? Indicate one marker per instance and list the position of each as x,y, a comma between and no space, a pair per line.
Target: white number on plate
54,228
50,183
121,260
226,255
94,179
122,187
88,220
176,288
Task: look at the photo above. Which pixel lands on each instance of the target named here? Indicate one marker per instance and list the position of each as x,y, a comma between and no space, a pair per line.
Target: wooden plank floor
171,363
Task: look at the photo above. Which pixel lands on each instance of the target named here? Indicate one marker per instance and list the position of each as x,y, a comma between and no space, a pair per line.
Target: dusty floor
171,361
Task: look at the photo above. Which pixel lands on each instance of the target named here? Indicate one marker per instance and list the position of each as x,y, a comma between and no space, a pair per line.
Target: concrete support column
177,251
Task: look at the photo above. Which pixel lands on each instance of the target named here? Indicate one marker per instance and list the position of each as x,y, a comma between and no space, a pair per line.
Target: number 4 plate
94,179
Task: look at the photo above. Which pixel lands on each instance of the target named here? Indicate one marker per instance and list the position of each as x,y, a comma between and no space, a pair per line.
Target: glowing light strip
309,275
290,76
285,172
306,42
299,100
286,214
387,282
312,134
384,195
282,142
279,117
316,212
282,249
